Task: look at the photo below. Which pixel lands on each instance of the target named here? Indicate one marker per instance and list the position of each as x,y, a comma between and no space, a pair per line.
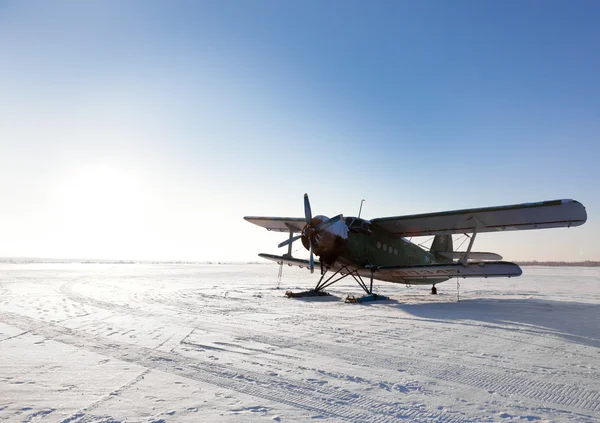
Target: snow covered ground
220,343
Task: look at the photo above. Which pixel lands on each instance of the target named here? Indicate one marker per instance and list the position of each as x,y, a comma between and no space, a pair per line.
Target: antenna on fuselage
360,210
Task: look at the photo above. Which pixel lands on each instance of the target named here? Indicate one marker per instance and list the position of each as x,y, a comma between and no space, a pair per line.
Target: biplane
380,248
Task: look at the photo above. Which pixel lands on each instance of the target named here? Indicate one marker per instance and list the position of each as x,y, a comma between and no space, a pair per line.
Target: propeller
328,223
317,228
310,231
290,240
311,262
307,212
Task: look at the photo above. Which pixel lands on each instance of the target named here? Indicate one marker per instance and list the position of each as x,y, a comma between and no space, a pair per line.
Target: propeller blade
289,241
307,211
328,223
312,260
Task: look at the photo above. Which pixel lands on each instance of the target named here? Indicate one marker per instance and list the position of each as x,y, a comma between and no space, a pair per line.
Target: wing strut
289,252
465,259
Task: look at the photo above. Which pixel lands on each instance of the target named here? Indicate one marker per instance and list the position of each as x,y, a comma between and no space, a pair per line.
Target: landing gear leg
318,290
370,296
340,274
433,290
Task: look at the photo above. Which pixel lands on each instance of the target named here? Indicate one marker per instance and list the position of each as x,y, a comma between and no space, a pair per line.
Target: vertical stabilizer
442,244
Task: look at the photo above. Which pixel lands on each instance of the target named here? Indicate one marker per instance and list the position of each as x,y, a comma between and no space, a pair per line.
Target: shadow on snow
575,322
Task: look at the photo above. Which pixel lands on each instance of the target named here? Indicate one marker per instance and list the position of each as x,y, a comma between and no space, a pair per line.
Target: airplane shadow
324,298
574,322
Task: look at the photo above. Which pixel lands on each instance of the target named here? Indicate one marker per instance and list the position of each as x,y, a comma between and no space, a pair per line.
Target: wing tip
580,208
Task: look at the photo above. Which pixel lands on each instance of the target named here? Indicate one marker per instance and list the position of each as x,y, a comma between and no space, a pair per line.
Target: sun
101,185
100,209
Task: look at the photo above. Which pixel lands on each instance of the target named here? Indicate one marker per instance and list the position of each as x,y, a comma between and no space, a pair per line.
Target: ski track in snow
499,356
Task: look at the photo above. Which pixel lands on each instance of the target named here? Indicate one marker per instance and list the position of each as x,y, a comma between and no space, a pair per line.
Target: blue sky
147,130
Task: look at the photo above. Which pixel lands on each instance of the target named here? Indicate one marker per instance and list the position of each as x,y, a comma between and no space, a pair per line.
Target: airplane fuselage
369,245
380,248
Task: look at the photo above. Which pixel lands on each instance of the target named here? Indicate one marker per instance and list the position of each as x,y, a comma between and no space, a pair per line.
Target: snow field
220,343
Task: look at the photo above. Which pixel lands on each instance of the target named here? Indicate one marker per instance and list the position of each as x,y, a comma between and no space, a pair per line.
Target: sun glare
100,207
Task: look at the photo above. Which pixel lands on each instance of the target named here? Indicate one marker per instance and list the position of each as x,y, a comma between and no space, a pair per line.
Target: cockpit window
358,225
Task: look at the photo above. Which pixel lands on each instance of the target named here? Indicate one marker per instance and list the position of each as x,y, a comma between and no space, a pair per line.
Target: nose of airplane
327,237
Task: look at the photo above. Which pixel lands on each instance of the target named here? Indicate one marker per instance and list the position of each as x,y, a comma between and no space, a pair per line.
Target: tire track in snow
503,384
499,383
82,413
321,400
67,290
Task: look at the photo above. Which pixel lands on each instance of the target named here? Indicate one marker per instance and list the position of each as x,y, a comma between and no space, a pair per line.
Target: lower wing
288,260
422,274
472,270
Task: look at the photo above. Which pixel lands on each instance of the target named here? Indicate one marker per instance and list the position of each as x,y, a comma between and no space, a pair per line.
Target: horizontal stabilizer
516,217
278,224
472,270
472,255
288,260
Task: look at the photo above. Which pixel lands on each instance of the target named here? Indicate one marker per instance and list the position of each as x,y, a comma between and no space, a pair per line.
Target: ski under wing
545,214
472,270
289,260
278,224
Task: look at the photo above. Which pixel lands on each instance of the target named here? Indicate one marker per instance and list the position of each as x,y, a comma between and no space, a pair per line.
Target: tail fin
442,244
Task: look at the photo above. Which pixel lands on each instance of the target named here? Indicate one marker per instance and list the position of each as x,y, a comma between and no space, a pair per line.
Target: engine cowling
328,243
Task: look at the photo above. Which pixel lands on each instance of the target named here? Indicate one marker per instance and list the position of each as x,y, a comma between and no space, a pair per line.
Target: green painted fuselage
380,248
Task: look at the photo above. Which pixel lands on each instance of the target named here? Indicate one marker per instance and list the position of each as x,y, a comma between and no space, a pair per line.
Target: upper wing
545,214
279,224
